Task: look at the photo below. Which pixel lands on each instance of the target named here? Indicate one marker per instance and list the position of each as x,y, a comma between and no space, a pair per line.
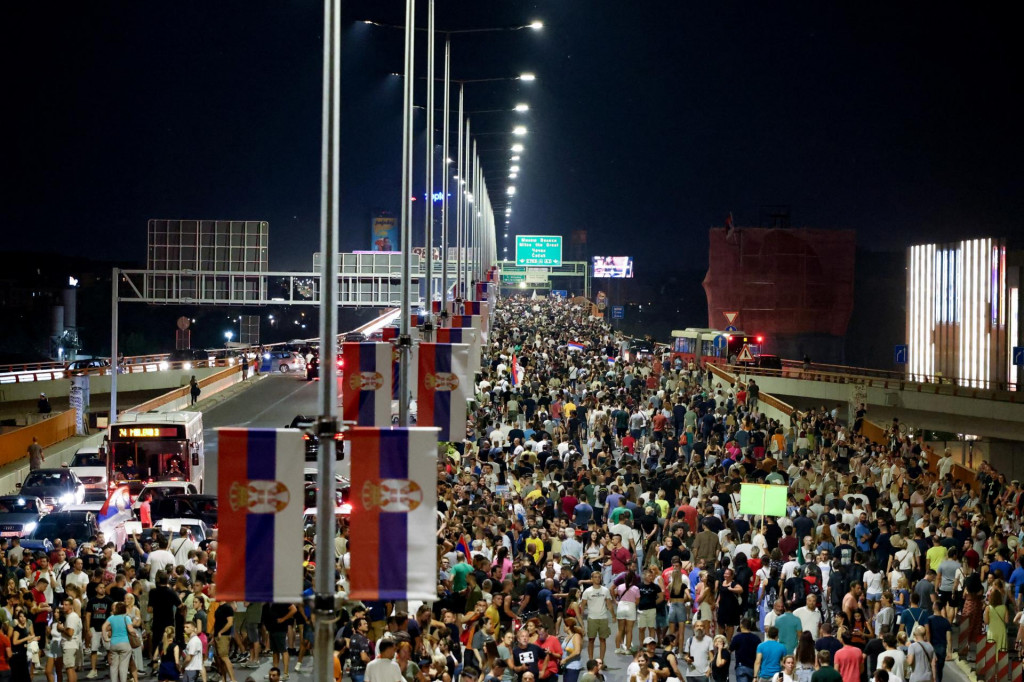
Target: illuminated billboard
613,267
538,250
958,305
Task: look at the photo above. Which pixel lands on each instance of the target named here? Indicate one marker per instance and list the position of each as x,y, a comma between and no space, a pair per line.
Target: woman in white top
788,672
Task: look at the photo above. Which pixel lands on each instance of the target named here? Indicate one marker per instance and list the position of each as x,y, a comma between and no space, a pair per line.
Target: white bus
166,446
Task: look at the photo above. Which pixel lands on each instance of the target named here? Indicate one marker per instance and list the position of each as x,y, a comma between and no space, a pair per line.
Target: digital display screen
133,432
614,267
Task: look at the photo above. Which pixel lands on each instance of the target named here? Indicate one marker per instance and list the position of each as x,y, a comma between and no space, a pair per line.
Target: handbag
134,639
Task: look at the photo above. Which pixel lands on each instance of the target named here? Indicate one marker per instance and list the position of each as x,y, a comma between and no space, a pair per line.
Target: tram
712,346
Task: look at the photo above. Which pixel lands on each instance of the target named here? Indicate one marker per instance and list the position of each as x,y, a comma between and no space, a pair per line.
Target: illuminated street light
522,107
229,335
514,169
511,190
527,77
518,147
513,176
519,130
536,25
515,158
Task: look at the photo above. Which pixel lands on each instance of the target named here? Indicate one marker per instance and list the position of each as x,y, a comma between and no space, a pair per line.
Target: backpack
796,593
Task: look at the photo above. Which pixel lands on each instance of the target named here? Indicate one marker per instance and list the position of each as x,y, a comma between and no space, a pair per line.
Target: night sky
649,121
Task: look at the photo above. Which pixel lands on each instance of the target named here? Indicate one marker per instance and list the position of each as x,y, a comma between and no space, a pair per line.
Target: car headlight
28,527
163,365
187,365
67,498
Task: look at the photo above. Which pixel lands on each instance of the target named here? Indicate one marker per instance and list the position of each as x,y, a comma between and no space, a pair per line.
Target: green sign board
513,278
763,500
538,250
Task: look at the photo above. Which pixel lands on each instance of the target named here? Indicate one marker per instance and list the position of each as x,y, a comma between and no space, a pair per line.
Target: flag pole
327,423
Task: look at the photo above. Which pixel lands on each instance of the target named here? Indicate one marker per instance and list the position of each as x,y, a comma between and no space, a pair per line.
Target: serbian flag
367,387
516,371
435,306
464,335
417,319
479,308
260,486
463,546
472,321
394,510
574,345
442,389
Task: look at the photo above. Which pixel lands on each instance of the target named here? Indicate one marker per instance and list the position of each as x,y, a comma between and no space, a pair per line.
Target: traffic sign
560,293
730,328
1018,356
745,355
538,250
731,316
721,342
901,354
618,312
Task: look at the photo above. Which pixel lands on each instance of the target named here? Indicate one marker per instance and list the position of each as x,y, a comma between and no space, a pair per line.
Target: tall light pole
444,181
428,240
327,424
459,200
404,337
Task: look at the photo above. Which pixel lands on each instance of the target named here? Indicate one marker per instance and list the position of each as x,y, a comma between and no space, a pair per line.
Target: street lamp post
444,181
405,338
428,241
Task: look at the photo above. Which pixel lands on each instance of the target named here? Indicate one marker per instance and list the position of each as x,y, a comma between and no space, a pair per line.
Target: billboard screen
614,267
538,250
385,233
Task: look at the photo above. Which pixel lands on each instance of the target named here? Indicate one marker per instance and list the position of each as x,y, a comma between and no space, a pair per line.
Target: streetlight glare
511,190
514,169
448,160
517,147
515,158
522,107
535,25
513,176
519,130
527,77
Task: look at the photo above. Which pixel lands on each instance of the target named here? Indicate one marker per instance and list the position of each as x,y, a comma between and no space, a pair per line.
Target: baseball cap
650,640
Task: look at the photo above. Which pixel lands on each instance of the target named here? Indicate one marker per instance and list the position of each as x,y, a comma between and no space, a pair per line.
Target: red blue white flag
260,487
464,335
443,389
463,546
472,321
516,371
367,387
394,513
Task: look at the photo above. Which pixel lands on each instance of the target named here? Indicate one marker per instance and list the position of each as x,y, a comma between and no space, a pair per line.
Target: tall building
794,286
963,311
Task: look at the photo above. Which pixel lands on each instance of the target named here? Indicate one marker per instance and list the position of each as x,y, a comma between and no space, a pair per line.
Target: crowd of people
593,506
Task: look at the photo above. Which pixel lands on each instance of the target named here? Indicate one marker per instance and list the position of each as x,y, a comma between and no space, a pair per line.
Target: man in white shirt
160,559
809,615
193,654
383,668
71,636
697,653
77,576
597,609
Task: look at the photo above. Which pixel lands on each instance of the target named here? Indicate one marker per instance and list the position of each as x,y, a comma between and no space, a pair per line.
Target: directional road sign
730,328
1018,356
731,316
560,293
721,342
901,354
618,312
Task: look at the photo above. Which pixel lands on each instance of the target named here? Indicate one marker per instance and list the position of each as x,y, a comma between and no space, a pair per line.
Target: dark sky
650,121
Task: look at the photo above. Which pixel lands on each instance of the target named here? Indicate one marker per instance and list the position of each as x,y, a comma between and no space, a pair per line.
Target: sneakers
298,667
92,675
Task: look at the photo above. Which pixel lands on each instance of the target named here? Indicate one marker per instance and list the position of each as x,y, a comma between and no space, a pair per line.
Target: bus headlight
28,528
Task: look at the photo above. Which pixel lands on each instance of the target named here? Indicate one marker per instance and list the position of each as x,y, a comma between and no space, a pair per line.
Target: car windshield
65,527
87,459
45,478
20,506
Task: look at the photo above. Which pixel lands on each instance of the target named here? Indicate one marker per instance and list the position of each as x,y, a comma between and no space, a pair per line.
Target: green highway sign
538,250
514,278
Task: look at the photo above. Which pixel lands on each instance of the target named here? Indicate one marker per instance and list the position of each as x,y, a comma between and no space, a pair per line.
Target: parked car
188,355
357,337
19,515
283,361
90,366
91,469
200,531
202,507
159,490
66,525
309,436
55,487
764,362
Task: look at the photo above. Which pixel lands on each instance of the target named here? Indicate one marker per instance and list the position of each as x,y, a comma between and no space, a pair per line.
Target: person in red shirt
659,422
849,660
628,443
5,655
552,650
620,556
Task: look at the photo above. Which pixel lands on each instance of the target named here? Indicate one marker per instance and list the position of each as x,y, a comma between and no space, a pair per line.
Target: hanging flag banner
471,321
394,508
442,389
480,308
435,306
417,319
260,486
467,336
367,383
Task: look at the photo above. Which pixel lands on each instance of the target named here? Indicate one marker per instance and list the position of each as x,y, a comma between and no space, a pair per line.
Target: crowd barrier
14,444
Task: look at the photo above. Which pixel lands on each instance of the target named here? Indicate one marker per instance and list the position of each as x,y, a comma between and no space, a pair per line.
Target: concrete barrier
767,404
136,381
14,444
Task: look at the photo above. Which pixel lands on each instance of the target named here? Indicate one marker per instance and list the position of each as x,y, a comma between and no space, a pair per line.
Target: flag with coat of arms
261,493
394,512
367,383
443,389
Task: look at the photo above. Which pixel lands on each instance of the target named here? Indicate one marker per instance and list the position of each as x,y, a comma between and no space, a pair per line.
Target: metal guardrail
925,379
769,400
792,370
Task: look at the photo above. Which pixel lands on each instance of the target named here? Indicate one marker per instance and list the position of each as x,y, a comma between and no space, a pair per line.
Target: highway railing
765,399
884,380
796,369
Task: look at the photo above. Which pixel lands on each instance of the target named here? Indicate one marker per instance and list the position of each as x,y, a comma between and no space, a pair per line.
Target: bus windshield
148,460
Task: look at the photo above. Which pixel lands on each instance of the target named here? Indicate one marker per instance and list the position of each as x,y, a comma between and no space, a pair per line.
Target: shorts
253,631
309,633
678,612
279,641
944,597
96,641
648,618
70,655
662,619
598,627
873,596
625,610
222,646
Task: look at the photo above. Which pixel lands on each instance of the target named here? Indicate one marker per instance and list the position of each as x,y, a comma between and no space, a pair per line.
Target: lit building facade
963,307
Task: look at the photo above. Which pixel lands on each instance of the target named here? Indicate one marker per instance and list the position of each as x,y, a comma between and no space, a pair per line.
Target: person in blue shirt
862,534
769,655
1017,577
1001,564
